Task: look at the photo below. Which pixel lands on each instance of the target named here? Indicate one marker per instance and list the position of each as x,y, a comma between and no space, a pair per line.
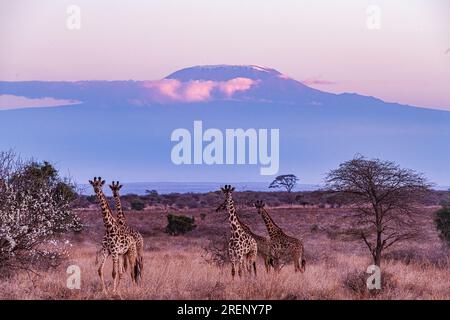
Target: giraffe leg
276,264
296,258
122,260
115,272
133,262
240,267
251,262
120,269
101,261
233,269
140,257
248,265
296,264
267,264
133,266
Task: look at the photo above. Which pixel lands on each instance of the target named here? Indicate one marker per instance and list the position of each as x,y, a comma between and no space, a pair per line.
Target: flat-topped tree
386,199
286,181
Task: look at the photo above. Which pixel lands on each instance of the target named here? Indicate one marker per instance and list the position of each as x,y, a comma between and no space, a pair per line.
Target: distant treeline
322,199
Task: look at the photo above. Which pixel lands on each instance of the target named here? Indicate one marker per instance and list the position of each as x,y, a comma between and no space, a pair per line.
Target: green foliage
442,221
137,205
179,224
35,175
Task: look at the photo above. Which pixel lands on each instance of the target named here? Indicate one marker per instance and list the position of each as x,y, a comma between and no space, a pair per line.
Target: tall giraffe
282,245
263,244
242,247
115,188
116,242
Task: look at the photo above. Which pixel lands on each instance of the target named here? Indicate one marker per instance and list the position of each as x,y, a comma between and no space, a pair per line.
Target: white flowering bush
31,217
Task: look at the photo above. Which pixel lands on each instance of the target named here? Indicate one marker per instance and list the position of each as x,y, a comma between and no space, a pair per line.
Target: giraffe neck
120,215
271,226
232,217
108,219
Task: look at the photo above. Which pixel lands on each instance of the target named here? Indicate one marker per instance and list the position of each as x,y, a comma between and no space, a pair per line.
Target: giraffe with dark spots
115,187
242,247
116,242
262,243
283,247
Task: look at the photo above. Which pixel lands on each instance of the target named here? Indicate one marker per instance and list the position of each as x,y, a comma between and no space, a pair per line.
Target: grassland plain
180,267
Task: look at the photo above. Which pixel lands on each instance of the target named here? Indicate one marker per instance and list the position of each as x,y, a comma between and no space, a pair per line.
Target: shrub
216,253
179,224
442,221
34,207
356,282
137,205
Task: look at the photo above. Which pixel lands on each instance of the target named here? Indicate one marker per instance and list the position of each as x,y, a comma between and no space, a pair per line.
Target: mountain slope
122,129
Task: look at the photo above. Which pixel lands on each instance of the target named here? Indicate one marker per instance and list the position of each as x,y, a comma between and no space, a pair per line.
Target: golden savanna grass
178,268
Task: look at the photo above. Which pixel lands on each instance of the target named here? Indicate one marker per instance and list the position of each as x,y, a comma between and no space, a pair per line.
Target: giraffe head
259,205
227,189
115,187
97,183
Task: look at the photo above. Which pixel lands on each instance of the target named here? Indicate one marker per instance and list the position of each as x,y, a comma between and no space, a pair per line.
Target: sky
398,51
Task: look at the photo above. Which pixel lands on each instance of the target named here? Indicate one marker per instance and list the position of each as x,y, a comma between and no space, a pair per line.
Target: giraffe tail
303,265
138,269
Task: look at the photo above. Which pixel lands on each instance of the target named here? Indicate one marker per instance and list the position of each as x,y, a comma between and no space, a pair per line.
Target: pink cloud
195,90
166,87
237,84
198,90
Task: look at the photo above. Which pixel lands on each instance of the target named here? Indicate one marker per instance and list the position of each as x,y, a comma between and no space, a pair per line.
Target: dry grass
175,267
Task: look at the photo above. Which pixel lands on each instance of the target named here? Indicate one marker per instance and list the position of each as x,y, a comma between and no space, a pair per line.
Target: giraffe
242,247
282,245
262,243
116,242
115,188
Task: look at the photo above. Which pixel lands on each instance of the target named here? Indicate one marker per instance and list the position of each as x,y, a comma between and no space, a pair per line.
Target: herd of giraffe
126,245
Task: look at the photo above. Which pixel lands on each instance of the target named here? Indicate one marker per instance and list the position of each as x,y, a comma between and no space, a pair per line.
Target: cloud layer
197,90
9,102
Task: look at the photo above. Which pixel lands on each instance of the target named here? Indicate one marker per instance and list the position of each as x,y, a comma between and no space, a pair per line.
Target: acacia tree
287,181
386,199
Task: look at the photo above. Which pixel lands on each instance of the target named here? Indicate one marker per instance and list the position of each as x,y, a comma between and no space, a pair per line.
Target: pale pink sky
324,43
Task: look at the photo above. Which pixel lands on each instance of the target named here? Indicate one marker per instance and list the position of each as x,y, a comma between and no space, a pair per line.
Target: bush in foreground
179,224
34,207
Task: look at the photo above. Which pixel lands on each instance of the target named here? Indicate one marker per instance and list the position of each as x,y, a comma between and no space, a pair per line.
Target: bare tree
386,198
287,181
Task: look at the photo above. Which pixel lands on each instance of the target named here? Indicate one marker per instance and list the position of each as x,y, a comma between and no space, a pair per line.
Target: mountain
122,129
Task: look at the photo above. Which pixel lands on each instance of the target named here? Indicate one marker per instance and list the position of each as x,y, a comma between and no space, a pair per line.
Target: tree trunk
377,259
378,249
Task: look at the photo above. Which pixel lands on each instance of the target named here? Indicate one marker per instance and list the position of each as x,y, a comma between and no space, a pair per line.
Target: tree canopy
386,199
287,181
